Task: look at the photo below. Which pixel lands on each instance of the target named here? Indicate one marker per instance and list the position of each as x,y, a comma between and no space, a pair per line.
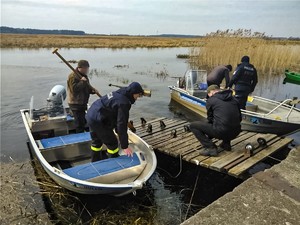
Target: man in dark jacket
223,121
108,113
217,75
79,92
245,79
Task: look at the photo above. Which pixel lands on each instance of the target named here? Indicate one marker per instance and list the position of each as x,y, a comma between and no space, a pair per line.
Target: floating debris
121,66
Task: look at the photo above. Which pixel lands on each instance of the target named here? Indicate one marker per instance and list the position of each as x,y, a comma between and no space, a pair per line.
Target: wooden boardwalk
184,144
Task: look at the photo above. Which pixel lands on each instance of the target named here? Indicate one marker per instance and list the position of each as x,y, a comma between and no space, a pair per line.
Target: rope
189,206
180,169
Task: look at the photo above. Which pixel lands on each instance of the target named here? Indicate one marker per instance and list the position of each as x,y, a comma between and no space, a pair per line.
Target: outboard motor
55,101
55,104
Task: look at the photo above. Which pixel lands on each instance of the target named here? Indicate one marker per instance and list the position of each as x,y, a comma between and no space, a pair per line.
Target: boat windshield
196,80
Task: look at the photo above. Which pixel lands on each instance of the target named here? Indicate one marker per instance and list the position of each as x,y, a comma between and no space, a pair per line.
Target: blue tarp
103,167
65,140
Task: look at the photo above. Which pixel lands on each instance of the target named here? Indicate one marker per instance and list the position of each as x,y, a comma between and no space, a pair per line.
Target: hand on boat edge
128,152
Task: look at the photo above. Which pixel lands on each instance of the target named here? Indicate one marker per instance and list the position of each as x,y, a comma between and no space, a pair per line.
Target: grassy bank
268,56
93,41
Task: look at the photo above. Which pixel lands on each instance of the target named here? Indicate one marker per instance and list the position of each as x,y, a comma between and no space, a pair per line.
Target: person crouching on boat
244,79
223,121
217,75
79,92
108,113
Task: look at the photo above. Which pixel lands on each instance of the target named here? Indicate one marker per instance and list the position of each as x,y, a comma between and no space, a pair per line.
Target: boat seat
110,171
251,107
67,147
65,140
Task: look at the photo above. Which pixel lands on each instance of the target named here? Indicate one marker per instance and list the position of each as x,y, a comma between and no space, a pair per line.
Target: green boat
292,77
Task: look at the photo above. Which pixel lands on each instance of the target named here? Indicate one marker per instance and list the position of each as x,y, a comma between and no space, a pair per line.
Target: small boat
65,156
261,115
291,77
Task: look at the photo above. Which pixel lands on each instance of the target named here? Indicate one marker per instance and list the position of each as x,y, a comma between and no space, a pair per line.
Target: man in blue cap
108,113
244,79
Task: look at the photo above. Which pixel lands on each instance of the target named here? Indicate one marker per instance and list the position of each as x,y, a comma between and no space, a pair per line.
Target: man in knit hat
108,113
79,91
244,79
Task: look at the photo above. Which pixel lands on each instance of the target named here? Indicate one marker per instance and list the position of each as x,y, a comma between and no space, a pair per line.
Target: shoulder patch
110,95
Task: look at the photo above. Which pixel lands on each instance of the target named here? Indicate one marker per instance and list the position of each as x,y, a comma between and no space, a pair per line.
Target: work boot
113,155
209,152
224,146
98,155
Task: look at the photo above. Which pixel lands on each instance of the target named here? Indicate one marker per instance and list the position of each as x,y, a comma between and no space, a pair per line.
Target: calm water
26,73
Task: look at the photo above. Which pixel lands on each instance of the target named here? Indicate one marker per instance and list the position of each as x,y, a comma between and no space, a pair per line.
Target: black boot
224,146
98,155
212,151
113,155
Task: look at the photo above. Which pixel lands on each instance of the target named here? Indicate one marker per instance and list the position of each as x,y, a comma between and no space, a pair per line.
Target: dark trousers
102,135
79,119
204,132
241,95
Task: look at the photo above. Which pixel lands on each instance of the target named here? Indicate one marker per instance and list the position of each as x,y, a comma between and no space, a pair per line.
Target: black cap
245,59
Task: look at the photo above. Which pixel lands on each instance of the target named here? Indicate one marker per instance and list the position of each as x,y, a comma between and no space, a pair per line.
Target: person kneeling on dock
108,113
223,121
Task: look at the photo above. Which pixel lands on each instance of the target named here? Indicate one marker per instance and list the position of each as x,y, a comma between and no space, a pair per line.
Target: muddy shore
20,200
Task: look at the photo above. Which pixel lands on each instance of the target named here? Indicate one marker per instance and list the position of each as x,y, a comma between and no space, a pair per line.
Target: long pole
75,71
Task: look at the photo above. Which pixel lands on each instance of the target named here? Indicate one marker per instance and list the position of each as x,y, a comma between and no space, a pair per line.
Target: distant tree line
12,30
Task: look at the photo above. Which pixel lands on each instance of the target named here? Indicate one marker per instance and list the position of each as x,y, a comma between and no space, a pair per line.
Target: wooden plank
237,152
164,135
197,158
151,121
244,157
155,127
242,167
244,136
158,131
181,138
176,151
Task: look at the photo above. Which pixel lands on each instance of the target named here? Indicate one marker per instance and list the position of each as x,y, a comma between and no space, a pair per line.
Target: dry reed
93,41
268,56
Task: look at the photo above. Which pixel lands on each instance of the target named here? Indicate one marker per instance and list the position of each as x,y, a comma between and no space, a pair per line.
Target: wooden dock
175,141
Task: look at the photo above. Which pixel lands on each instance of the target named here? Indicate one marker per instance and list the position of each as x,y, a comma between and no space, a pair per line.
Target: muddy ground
20,199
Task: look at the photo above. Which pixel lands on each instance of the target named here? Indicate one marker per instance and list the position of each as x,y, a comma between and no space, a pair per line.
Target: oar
75,71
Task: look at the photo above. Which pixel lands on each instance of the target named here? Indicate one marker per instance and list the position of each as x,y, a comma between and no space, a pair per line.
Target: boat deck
175,141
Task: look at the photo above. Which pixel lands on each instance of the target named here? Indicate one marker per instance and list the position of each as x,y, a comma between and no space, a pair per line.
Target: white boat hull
87,187
251,121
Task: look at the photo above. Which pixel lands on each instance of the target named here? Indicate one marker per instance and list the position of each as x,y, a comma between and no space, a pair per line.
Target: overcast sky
198,17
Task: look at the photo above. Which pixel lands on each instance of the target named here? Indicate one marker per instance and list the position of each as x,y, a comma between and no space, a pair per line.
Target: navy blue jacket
244,77
112,111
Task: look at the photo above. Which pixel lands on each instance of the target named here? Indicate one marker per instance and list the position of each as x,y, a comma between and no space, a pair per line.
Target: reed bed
93,41
66,207
267,55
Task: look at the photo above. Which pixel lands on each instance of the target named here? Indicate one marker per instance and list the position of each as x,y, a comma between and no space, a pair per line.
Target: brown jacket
78,91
